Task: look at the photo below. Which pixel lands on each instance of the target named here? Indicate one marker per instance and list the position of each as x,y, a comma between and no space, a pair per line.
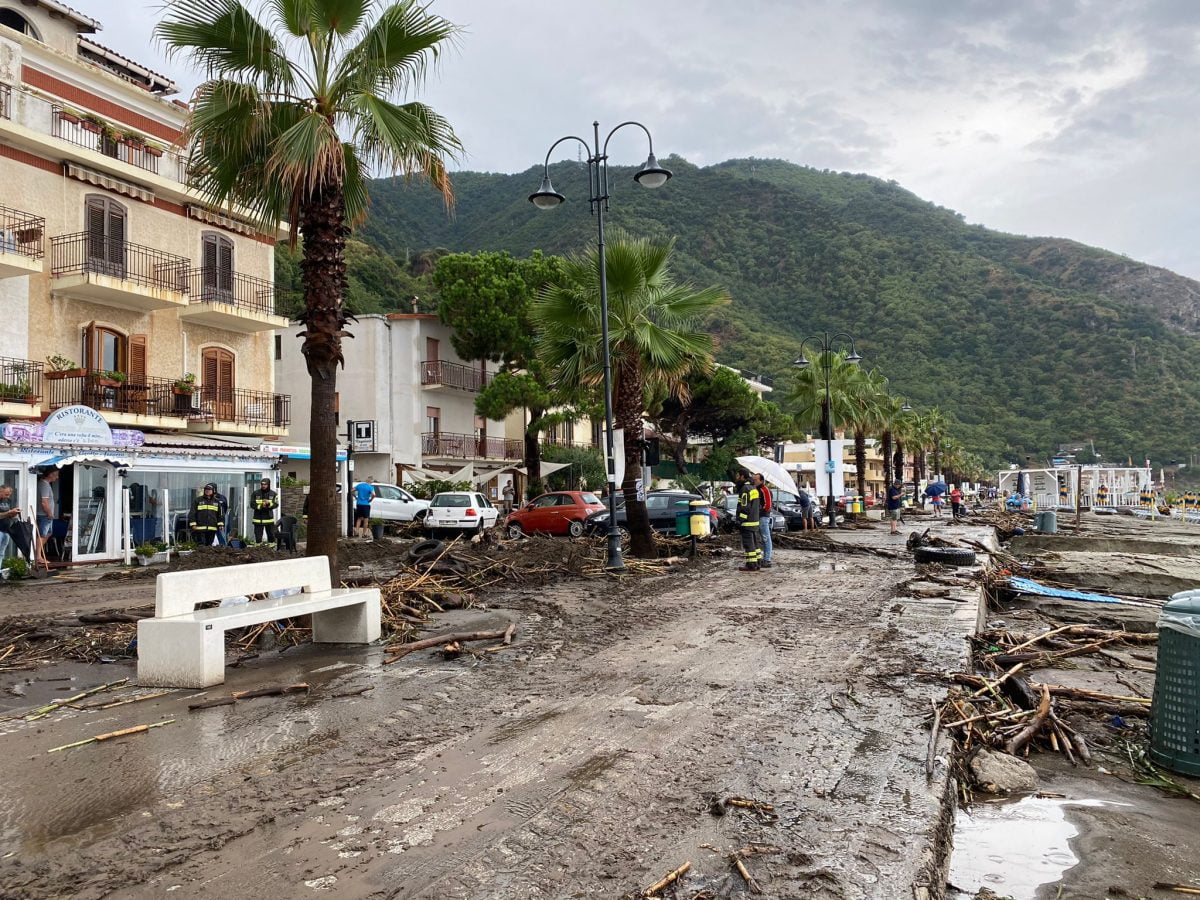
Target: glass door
94,517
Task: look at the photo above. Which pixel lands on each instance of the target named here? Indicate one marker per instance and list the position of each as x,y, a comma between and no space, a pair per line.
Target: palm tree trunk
533,454
323,270
886,453
628,409
898,461
860,461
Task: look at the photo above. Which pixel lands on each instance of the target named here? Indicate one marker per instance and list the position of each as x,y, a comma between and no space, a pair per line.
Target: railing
550,440
98,136
84,253
22,233
467,446
209,285
5,101
146,396
455,375
20,380
243,407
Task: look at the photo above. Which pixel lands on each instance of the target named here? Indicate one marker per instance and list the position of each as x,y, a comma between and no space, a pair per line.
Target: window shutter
225,375
137,359
209,264
208,375
95,230
116,235
91,352
225,265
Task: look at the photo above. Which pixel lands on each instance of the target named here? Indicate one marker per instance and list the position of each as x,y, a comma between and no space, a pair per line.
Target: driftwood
400,651
1022,737
274,691
136,729
667,880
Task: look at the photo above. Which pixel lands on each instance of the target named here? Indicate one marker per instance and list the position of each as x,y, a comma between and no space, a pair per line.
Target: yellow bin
699,520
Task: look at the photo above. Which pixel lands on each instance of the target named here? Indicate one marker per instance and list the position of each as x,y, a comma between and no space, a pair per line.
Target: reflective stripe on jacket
206,514
264,504
749,506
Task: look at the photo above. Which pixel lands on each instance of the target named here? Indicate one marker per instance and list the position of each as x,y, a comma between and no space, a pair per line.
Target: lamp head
546,197
854,358
905,407
652,175
801,362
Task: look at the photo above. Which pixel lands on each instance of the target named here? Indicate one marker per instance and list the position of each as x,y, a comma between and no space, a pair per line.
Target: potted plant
93,123
151,552
15,567
29,235
185,548
377,526
154,148
133,139
62,367
69,115
185,386
18,391
110,378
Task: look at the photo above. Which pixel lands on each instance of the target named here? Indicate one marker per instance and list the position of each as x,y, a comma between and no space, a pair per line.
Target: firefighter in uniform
205,518
749,508
264,502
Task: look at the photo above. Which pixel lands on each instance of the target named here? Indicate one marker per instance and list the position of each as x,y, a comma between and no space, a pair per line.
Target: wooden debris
740,865
54,705
136,729
399,651
667,880
1192,889
234,697
933,739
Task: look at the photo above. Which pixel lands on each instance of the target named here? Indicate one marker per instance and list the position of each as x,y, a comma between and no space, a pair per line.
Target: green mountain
1028,342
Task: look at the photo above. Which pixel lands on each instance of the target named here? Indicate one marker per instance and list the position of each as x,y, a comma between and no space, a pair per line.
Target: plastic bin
1046,521
1175,713
682,526
699,519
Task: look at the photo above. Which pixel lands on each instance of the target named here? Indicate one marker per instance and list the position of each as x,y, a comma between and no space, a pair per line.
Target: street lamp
826,344
650,175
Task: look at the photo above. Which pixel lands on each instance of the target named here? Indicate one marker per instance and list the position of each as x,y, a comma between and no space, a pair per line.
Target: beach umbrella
771,471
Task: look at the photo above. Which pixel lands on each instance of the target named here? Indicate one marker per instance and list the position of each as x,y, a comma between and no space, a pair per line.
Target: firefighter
749,509
205,520
264,502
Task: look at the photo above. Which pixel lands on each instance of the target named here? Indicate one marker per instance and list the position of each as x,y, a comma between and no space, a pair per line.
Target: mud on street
586,760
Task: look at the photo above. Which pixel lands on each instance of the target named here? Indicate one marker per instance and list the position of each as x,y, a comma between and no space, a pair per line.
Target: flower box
162,556
65,373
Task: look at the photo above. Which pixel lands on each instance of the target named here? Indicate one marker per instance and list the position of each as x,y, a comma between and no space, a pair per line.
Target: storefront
118,488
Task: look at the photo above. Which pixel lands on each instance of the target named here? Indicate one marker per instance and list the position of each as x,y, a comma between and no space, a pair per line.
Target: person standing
956,503
895,505
264,502
509,493
364,493
205,519
749,509
806,511
764,522
10,520
47,512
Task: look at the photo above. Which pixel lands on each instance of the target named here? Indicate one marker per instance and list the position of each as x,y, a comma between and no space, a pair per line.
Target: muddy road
581,762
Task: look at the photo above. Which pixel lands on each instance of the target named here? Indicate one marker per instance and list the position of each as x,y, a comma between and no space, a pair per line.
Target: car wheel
515,531
420,514
948,556
425,549
575,528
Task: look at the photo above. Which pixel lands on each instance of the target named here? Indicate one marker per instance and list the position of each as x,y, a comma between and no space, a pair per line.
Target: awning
57,462
99,179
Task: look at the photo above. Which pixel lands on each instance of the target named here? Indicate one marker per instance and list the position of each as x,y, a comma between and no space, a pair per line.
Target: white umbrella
770,470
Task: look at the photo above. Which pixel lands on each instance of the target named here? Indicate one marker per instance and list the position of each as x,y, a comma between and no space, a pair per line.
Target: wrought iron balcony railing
20,380
22,233
455,375
243,407
209,285
468,446
87,253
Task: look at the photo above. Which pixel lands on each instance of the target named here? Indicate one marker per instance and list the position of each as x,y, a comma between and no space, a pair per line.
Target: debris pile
27,642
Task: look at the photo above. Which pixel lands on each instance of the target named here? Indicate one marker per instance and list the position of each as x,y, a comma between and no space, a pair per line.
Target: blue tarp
1029,586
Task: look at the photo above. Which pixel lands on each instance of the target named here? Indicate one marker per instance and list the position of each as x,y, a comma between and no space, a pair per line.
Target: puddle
1012,848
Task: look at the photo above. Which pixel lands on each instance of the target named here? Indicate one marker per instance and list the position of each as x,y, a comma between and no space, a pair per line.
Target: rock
999,773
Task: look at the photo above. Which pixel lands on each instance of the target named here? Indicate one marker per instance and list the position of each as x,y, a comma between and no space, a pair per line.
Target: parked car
559,512
463,510
395,504
661,507
727,513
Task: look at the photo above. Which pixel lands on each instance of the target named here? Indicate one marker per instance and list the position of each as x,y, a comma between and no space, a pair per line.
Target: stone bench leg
357,624
180,654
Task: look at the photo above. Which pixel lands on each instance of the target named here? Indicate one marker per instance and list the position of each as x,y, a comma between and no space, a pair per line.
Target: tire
419,515
515,531
947,556
575,528
424,549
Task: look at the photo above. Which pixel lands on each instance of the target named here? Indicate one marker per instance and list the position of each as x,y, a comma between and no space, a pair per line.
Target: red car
559,512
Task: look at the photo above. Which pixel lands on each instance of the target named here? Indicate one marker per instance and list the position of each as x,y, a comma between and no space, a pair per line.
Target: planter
162,556
90,126
29,235
108,382
377,532
65,373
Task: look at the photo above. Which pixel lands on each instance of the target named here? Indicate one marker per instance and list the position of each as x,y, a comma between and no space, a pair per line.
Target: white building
402,375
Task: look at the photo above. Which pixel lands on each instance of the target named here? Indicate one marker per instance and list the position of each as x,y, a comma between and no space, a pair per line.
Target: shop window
105,221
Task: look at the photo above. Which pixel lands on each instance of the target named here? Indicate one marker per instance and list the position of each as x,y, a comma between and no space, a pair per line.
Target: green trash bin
1175,713
683,525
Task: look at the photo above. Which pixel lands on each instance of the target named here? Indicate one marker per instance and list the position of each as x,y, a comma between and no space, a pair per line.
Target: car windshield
785,497
459,500
590,499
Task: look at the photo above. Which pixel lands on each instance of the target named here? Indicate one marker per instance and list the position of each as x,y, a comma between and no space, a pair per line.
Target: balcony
147,403
437,373
93,133
235,411
22,243
440,445
117,273
232,301
20,388
550,440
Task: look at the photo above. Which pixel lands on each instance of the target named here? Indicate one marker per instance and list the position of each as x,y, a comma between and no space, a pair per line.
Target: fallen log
1022,737
400,651
274,691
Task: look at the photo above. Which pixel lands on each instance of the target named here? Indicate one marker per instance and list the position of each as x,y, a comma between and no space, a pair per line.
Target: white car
463,510
395,504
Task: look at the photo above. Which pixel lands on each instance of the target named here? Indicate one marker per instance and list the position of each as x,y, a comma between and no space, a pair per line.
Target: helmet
210,485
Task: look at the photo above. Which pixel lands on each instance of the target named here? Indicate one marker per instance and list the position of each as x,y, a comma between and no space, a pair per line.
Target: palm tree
889,413
655,337
295,113
869,416
846,387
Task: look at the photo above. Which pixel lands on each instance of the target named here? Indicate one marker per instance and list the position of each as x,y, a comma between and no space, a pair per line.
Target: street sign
362,436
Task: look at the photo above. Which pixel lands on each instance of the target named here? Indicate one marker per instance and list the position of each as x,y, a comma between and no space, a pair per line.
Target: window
569,432
387,492
597,434
279,346
590,499
458,501
217,382
17,22
104,349
433,419
431,349
216,269
545,500
104,220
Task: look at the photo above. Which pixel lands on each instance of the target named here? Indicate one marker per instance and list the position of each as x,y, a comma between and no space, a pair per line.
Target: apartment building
403,377
136,352
800,458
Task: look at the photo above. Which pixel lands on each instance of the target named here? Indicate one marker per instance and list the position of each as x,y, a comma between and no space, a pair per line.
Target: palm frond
395,53
225,39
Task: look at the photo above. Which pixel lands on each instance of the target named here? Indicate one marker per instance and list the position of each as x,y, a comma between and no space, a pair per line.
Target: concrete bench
185,647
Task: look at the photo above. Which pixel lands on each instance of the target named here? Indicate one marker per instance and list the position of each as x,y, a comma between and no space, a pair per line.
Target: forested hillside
1027,342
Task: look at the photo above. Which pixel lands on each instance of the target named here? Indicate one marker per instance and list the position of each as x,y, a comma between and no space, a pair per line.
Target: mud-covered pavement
581,762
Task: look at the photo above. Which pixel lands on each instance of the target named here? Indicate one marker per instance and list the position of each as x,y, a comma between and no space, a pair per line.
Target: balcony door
216,274
105,221
217,384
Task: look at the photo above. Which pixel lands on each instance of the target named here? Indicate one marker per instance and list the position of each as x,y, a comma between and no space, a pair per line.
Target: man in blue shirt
364,493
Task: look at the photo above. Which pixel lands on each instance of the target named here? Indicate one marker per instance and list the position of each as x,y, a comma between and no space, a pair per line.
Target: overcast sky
1072,118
